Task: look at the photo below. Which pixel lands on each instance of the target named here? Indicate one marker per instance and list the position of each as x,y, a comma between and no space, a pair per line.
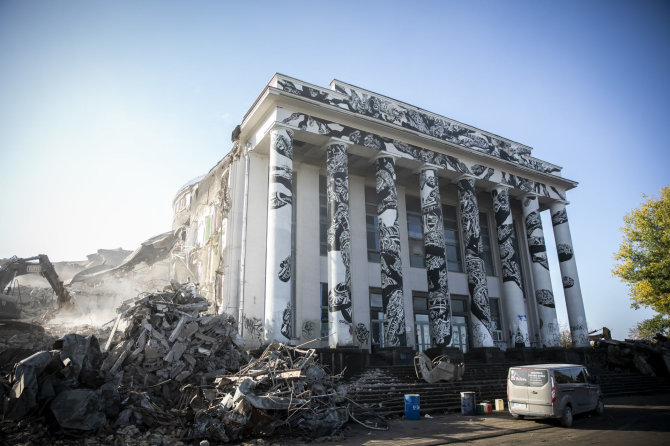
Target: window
486,243
578,375
421,321
323,217
415,233
376,317
324,309
371,225
563,376
496,321
452,239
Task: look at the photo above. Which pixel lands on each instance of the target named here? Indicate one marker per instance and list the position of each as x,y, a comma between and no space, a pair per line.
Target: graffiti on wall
389,248
479,293
439,301
403,115
404,150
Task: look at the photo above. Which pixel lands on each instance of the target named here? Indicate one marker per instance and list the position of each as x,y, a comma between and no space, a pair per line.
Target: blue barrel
467,403
412,407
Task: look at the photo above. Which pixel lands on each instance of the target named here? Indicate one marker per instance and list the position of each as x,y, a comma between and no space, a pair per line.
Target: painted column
278,277
389,249
546,309
439,301
569,277
339,246
513,303
480,311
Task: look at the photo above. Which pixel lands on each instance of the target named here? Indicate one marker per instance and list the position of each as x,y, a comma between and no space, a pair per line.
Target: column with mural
339,246
569,276
278,276
544,296
439,301
389,249
513,303
480,311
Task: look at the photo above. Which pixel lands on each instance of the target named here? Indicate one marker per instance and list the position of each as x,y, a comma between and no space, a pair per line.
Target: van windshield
528,377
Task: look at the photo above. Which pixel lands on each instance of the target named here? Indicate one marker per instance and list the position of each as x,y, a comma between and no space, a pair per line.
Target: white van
552,391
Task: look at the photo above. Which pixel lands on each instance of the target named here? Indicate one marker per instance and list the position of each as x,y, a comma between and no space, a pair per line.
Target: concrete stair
383,387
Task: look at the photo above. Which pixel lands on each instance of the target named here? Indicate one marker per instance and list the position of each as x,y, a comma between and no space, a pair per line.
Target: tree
648,328
566,338
644,260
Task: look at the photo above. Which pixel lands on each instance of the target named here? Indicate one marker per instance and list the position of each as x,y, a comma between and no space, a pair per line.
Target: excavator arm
39,264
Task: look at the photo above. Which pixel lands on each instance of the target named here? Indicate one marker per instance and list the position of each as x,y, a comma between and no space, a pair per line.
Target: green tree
644,259
648,328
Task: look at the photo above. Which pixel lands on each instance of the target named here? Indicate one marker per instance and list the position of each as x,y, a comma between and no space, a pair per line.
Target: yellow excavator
16,266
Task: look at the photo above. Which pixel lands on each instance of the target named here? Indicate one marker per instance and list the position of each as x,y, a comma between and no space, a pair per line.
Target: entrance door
460,334
422,327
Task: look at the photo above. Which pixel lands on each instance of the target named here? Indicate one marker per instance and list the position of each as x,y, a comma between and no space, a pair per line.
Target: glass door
460,333
422,327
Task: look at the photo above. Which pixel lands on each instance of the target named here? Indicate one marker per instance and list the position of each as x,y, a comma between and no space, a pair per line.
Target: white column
278,275
339,246
546,308
569,276
439,301
513,304
480,310
389,249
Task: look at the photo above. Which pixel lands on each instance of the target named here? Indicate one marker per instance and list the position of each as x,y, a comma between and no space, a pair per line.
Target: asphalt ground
626,419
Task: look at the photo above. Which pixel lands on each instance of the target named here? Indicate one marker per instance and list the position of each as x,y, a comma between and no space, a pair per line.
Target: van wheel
516,416
600,407
566,419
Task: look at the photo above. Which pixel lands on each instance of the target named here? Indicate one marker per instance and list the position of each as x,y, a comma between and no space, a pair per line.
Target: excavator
16,266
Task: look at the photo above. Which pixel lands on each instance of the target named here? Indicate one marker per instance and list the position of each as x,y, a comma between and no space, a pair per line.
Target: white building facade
350,219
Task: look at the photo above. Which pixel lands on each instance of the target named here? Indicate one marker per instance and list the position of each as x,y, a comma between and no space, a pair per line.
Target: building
349,218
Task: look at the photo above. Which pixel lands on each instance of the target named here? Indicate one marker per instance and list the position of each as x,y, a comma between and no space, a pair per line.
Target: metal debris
439,369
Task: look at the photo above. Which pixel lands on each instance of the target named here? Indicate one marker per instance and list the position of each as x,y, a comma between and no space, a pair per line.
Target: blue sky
107,108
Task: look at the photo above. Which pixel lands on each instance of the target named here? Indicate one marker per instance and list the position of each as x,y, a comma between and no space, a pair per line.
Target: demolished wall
201,212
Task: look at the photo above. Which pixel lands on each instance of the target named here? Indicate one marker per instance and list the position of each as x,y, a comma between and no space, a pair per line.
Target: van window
563,376
579,375
528,377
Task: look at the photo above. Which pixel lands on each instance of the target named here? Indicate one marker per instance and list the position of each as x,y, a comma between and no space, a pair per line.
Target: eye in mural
545,298
389,246
308,329
568,282
560,217
362,334
479,302
285,269
564,252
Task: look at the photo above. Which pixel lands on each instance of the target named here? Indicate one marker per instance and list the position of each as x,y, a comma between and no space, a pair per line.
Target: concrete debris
171,373
169,342
285,387
646,357
68,377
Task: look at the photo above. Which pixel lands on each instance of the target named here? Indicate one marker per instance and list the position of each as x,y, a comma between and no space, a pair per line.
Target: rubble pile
648,358
65,384
168,343
169,374
285,387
